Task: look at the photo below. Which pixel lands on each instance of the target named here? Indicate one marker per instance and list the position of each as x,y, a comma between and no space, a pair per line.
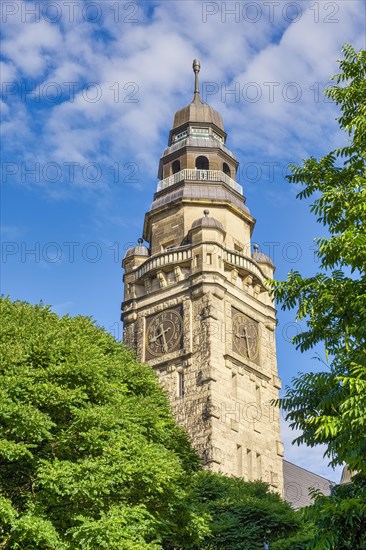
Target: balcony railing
174,256
181,254
199,175
239,260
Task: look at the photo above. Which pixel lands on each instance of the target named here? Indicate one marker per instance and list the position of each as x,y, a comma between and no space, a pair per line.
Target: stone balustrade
199,175
182,254
174,256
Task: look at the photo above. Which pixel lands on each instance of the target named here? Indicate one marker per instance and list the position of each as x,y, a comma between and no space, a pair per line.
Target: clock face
164,332
245,336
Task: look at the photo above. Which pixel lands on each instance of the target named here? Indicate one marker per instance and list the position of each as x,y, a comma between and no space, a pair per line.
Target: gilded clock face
164,332
245,336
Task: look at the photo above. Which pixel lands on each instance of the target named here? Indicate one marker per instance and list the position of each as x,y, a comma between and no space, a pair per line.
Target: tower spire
196,69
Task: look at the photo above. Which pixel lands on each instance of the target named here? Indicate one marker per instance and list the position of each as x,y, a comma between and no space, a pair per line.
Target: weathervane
196,69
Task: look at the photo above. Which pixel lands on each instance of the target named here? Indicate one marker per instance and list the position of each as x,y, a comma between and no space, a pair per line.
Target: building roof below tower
298,483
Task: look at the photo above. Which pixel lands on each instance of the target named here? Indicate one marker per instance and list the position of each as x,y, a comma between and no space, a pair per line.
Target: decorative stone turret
196,305
264,261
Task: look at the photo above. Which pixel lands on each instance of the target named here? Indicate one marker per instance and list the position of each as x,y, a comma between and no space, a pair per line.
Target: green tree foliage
90,456
243,514
339,520
329,407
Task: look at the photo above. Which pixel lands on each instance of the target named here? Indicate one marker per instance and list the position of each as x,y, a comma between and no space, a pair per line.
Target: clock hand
246,337
162,334
157,335
153,339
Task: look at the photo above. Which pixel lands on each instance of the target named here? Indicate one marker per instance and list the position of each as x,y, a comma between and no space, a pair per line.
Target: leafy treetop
329,407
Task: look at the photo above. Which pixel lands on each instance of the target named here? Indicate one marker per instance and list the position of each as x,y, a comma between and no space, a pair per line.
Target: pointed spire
197,110
196,69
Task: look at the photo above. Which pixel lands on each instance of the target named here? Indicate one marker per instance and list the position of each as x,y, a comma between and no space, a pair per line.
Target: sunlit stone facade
196,306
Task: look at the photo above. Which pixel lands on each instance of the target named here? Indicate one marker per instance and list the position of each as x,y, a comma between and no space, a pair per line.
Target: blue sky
88,96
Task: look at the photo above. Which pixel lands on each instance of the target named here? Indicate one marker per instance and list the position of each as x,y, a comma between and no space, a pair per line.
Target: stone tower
196,306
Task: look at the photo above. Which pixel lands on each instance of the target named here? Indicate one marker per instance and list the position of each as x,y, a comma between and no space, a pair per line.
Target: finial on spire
140,241
256,247
196,69
206,212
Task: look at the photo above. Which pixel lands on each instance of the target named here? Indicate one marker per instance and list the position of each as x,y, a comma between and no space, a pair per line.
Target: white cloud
155,56
30,46
8,72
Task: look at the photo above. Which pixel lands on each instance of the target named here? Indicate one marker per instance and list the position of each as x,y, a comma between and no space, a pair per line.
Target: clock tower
196,304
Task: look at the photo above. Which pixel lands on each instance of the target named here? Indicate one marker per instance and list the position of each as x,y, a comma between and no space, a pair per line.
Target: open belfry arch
196,306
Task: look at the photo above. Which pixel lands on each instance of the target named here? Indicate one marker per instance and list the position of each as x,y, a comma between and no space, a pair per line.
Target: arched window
202,163
175,166
226,169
